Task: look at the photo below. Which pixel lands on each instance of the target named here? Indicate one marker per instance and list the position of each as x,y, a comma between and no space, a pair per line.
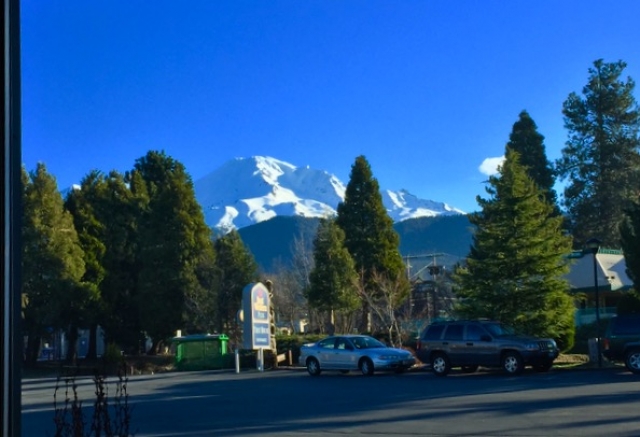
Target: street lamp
592,246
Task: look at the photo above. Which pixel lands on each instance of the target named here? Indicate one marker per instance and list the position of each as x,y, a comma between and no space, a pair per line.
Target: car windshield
499,330
366,343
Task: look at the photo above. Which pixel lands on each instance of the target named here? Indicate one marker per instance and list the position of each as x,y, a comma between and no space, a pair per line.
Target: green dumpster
201,352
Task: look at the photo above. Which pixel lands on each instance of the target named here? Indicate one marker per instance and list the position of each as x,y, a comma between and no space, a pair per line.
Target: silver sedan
353,352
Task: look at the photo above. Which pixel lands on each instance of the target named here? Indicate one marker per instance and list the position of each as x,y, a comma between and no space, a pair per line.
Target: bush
584,333
629,303
293,343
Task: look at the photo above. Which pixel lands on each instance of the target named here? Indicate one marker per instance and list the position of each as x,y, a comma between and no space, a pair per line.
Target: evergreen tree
235,269
52,264
120,210
106,213
333,279
79,203
630,241
369,235
600,160
514,271
173,241
529,143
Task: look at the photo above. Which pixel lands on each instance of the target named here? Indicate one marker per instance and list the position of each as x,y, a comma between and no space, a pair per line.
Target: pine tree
106,213
630,241
52,264
80,203
333,279
173,241
600,160
529,143
369,234
235,269
515,270
120,210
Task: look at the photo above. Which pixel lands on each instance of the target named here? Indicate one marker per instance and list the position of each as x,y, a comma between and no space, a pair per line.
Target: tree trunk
33,349
365,321
93,338
72,339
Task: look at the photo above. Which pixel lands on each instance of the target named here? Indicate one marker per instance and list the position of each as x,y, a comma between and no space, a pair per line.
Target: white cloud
490,165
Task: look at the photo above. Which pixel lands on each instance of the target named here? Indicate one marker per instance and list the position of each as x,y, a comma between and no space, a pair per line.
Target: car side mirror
485,337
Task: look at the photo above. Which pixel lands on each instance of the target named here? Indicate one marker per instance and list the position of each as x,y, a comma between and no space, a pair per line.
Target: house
607,269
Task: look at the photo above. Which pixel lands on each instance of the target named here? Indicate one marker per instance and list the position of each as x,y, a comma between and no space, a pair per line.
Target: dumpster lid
199,337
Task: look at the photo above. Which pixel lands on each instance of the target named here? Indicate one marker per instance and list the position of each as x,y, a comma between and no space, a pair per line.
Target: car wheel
440,364
469,369
632,361
313,367
544,367
366,367
512,363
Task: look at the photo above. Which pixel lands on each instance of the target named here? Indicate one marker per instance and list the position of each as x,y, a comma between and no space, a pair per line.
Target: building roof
610,272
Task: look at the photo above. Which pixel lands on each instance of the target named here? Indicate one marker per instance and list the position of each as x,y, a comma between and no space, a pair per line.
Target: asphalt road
291,403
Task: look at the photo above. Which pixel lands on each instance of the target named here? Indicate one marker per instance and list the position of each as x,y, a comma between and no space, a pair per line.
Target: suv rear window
434,332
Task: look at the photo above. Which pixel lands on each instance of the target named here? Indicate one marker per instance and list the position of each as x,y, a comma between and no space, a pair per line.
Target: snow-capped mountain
245,191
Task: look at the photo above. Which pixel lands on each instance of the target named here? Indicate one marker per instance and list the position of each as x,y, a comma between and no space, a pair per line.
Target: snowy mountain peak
245,191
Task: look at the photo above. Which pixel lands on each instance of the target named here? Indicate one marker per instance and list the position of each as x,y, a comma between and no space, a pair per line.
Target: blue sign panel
257,317
261,336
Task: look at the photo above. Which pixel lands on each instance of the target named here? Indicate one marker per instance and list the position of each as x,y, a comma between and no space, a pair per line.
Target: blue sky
426,90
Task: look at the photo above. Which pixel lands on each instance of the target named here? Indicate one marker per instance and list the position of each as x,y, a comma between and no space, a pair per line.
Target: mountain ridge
246,191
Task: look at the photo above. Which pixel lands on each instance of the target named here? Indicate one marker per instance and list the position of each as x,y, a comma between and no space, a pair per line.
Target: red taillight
605,343
418,345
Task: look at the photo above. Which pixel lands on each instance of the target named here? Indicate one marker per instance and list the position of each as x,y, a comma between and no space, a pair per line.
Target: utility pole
407,259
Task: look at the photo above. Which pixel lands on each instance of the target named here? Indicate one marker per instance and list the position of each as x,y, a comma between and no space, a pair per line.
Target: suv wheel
512,363
440,364
632,361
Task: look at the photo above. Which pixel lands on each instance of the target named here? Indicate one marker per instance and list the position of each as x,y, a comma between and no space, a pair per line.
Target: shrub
584,333
629,303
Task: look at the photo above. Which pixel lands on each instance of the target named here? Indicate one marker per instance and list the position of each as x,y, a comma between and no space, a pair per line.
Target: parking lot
290,402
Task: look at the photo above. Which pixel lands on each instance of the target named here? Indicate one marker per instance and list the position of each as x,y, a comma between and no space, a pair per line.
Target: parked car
474,343
621,342
353,352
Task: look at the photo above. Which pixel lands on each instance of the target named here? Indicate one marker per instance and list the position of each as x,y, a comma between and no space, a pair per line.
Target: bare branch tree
387,303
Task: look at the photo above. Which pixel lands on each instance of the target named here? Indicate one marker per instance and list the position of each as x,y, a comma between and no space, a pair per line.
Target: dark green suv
621,343
474,343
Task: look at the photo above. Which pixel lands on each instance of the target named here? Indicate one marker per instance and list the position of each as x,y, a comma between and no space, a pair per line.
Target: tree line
524,232
128,252
132,252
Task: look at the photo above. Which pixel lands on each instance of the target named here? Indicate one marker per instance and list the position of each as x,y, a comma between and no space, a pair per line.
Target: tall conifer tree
601,158
369,234
121,211
333,279
529,143
80,203
173,240
630,241
52,264
515,270
235,269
